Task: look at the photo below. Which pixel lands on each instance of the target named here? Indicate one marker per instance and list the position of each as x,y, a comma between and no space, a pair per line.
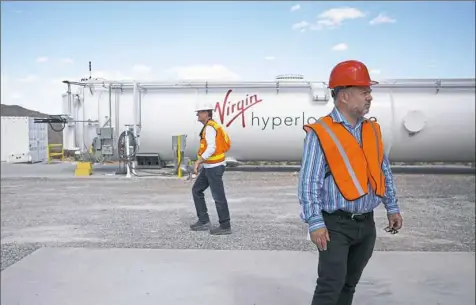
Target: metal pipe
211,87
304,84
198,86
83,129
292,86
435,82
134,99
98,104
128,152
116,117
84,121
140,110
426,80
110,106
145,83
423,86
75,126
69,100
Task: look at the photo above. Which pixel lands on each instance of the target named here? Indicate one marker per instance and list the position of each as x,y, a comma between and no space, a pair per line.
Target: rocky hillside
15,110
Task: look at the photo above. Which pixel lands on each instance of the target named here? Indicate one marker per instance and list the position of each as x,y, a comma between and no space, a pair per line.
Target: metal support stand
128,151
121,168
179,154
179,144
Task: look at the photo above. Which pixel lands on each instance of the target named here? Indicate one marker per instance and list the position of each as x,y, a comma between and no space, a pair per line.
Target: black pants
213,178
339,269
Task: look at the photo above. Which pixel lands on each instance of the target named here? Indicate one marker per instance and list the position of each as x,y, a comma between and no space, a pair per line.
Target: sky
44,43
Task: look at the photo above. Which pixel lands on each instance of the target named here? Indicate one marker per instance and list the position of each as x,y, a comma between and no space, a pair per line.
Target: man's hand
195,168
320,237
395,221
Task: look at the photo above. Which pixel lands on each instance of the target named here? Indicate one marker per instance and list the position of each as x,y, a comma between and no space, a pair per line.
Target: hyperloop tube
420,123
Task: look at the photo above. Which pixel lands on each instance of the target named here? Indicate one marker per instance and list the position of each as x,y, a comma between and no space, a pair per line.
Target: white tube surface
418,124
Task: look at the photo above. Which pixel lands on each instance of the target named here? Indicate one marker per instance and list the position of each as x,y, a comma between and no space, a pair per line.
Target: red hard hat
350,73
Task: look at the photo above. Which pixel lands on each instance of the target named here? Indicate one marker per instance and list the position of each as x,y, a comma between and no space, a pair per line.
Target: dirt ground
155,212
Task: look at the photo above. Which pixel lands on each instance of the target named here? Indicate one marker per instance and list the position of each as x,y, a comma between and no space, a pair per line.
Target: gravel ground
438,214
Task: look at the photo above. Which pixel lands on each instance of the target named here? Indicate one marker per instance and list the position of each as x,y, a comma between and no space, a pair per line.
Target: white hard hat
205,106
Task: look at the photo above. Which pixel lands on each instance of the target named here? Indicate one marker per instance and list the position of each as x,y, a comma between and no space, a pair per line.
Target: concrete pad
75,276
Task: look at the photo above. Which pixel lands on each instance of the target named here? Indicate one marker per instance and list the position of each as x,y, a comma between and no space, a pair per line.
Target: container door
33,139
43,142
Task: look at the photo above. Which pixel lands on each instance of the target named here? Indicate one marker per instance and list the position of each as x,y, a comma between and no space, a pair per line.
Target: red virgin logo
229,111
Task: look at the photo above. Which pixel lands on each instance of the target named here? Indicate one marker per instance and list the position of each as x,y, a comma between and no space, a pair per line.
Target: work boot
221,231
200,226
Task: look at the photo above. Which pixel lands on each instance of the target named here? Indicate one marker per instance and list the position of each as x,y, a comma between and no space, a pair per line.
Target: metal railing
55,154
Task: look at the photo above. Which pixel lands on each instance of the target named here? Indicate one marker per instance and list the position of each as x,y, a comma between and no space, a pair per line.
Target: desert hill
15,110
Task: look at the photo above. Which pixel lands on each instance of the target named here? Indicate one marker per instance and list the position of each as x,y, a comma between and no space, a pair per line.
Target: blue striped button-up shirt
317,192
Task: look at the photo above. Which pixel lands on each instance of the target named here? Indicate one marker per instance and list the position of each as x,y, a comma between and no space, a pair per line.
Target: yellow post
179,156
48,153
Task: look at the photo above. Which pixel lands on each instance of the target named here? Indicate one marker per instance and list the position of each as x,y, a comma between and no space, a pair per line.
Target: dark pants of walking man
348,252
213,178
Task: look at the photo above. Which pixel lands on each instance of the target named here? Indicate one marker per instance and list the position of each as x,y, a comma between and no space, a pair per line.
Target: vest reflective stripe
344,157
218,157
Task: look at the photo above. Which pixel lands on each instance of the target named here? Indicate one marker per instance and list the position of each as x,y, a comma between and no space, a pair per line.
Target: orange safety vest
223,143
353,166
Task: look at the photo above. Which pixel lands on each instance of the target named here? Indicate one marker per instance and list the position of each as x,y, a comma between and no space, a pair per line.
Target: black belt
348,215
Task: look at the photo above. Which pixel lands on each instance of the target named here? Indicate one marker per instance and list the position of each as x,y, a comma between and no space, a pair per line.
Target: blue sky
45,42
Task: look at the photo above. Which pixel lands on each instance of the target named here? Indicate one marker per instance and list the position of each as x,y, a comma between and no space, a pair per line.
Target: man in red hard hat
344,176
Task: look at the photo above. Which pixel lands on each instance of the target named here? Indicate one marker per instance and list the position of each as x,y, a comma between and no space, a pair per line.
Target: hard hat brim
356,84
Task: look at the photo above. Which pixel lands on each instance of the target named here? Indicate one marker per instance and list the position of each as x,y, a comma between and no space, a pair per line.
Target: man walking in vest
214,143
345,175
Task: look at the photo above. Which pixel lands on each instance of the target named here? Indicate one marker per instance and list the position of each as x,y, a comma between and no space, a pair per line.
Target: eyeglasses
391,230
